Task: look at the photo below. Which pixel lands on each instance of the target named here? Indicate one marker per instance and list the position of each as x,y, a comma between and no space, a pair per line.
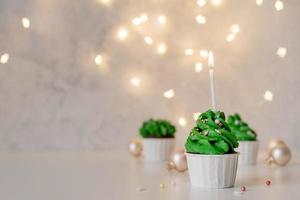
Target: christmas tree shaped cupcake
247,138
212,160
158,138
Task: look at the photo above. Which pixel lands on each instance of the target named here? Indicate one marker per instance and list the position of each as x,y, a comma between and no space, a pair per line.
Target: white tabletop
119,176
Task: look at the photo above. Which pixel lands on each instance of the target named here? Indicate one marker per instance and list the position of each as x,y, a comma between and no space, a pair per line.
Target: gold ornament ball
274,143
135,148
281,154
178,161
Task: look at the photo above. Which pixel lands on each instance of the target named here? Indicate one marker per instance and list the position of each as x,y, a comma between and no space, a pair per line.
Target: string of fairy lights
161,47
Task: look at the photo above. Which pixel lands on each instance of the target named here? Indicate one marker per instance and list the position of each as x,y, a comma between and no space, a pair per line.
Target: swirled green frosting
157,129
241,129
211,135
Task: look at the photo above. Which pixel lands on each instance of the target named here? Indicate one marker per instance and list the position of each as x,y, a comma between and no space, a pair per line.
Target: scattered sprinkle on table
237,193
162,185
140,189
243,189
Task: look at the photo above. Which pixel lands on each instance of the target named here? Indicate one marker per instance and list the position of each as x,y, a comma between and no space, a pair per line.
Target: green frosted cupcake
211,158
248,143
158,138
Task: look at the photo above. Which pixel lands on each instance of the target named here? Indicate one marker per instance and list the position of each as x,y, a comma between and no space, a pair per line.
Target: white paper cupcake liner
248,152
158,149
212,171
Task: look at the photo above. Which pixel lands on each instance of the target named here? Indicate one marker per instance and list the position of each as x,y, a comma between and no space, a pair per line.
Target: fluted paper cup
212,171
158,149
248,152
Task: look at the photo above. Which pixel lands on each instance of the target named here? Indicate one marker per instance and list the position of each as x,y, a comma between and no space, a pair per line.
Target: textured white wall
54,98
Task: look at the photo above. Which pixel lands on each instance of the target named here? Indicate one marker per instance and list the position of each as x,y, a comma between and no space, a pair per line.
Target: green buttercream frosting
241,129
157,129
211,135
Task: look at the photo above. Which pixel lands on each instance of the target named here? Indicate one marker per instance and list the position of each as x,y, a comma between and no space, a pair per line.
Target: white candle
212,81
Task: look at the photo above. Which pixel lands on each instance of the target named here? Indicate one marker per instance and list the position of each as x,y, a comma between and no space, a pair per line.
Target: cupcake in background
248,144
212,160
158,138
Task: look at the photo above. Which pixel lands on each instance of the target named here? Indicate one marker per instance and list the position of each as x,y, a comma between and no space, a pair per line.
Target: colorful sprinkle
243,189
140,189
237,193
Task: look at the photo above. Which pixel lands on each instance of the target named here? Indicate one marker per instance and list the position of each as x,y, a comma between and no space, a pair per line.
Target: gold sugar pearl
205,133
162,185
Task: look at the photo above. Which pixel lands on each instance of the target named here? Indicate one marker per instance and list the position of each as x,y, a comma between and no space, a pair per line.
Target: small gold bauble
273,143
178,161
281,154
135,148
